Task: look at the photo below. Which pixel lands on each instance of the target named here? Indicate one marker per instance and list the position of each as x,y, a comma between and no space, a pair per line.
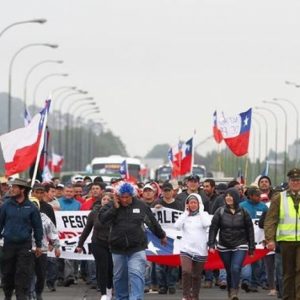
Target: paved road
83,292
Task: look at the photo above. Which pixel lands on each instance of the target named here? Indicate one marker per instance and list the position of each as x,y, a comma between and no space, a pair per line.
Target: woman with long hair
236,238
100,248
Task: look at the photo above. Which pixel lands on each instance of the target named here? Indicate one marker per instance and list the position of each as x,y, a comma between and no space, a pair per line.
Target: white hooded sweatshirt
194,229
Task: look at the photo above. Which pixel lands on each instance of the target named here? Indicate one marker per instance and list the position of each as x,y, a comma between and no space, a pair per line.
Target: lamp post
68,134
39,21
276,136
60,115
297,121
10,73
42,80
65,88
31,70
285,134
266,132
295,84
259,139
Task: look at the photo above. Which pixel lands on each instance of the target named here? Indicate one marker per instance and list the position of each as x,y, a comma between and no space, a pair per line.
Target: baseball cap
148,186
60,186
193,177
167,186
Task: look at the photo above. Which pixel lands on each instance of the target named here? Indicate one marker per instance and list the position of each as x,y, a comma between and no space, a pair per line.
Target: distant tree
159,151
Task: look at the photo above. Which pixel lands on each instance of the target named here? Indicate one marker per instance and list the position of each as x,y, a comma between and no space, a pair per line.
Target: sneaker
272,293
68,282
162,290
146,289
172,290
245,286
253,289
207,284
108,294
103,297
154,288
223,285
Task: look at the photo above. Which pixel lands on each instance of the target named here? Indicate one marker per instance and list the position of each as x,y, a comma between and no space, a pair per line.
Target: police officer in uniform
282,225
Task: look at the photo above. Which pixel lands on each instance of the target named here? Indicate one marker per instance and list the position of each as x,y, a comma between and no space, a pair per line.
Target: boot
234,294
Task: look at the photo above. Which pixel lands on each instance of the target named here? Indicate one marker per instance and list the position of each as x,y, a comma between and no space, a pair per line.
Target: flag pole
41,145
246,168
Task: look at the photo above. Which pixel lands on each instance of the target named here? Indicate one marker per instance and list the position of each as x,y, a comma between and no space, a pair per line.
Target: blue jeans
167,276
129,275
246,274
233,261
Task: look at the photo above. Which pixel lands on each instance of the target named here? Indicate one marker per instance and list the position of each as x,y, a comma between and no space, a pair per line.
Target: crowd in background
224,209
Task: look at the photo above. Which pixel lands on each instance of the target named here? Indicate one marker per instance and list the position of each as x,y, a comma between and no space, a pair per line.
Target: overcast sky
158,69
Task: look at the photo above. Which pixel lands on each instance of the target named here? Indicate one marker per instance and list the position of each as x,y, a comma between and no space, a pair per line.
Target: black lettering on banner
72,221
175,215
65,220
159,217
79,222
165,218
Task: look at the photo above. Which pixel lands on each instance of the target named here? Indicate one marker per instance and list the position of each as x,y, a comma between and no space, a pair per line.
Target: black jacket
234,229
127,233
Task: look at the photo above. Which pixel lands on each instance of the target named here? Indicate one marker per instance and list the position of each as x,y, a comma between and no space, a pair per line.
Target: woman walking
194,223
100,247
236,237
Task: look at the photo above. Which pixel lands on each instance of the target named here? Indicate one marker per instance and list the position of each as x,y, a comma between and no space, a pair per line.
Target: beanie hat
264,177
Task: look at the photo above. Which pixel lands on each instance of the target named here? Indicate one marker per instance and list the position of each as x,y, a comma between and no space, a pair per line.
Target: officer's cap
294,173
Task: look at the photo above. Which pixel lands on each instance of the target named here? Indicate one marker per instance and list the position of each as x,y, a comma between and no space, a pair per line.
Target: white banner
70,225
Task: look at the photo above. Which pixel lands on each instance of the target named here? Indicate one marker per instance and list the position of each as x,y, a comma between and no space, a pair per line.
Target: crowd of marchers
215,218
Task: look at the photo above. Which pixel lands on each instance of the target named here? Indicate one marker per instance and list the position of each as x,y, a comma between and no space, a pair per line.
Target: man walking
282,225
18,218
128,241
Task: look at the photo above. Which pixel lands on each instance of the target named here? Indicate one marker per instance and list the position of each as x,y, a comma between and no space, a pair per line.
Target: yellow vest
288,228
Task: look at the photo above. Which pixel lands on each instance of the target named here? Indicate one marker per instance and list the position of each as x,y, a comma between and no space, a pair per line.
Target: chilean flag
236,131
56,163
20,147
124,170
187,150
216,131
181,158
167,255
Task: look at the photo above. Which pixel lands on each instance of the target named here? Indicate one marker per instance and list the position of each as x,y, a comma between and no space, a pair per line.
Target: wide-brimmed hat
19,182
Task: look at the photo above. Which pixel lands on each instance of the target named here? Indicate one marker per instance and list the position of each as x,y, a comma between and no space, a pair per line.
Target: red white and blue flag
124,170
216,131
181,158
20,147
236,132
55,163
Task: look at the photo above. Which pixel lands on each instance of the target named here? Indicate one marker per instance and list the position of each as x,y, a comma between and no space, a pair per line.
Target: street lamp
10,73
297,121
68,133
39,21
259,139
65,88
285,132
42,80
32,69
295,84
60,115
276,136
266,132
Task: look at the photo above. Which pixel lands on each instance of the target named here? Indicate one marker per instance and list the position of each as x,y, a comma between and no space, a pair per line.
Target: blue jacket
255,210
17,221
69,204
